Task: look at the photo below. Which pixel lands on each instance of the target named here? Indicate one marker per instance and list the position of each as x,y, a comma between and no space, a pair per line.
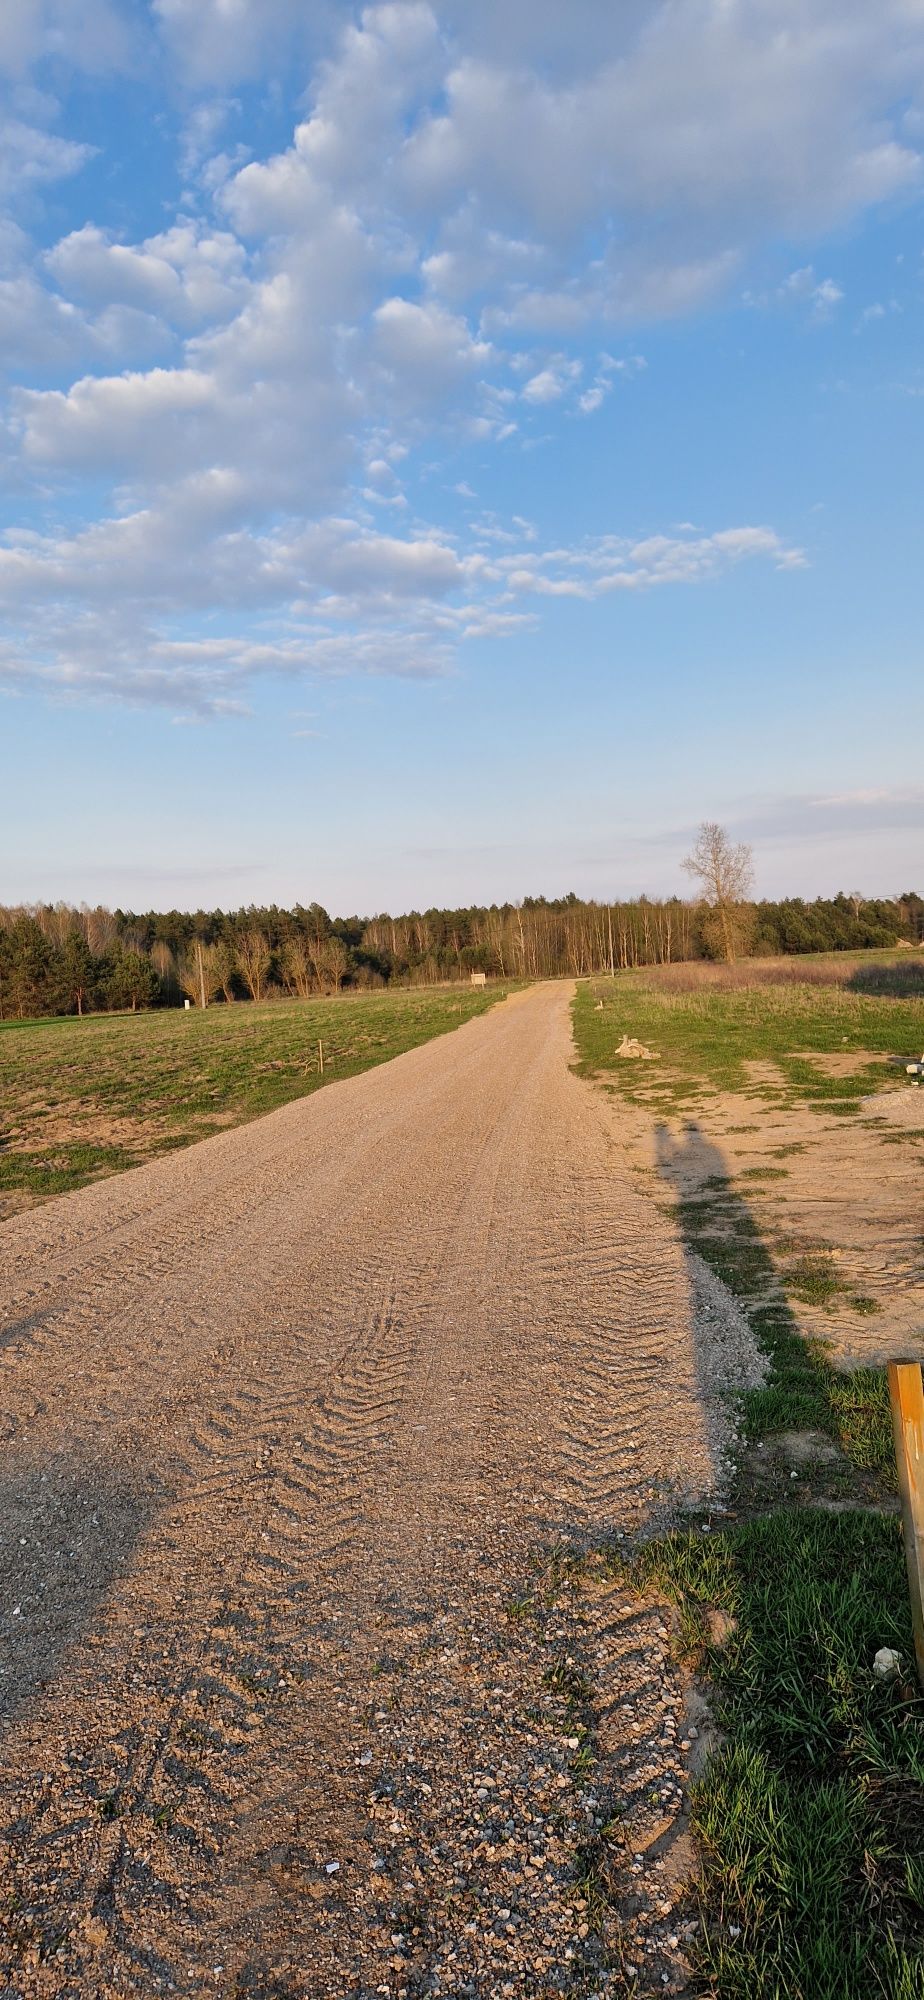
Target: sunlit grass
811,1818
83,1098
762,1039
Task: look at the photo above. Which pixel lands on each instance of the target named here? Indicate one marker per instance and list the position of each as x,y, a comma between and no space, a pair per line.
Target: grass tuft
811,1818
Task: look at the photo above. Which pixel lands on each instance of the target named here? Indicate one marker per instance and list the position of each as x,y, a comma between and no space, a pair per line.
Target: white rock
887,1664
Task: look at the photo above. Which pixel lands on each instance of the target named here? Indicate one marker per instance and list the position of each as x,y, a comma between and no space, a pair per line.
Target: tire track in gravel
276,1410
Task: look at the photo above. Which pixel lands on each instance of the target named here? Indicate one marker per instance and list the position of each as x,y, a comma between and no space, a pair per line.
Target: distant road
272,1408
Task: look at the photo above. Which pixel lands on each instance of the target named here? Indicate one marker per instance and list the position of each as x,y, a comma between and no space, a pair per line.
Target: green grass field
760,1031
83,1098
810,1818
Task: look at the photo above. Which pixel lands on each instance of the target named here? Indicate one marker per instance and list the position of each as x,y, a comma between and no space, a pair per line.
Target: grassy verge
811,1817
84,1098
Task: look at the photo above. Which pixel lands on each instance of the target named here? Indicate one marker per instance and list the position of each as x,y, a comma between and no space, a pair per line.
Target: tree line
58,959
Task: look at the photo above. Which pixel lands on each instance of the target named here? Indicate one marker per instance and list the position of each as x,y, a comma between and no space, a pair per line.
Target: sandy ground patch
903,1108
811,1180
48,1128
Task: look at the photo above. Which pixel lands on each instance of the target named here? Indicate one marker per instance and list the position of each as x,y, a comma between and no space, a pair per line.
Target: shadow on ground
68,1531
897,982
810,1422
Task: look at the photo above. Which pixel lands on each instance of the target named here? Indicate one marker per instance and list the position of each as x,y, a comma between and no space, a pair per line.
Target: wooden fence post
906,1390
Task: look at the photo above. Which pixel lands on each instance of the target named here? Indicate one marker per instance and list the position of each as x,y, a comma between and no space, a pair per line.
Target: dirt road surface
285,1419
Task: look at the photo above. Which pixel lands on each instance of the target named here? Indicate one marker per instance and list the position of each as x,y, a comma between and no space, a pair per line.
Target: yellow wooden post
906,1390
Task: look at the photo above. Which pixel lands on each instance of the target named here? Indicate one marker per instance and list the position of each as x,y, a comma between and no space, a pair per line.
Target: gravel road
287,1418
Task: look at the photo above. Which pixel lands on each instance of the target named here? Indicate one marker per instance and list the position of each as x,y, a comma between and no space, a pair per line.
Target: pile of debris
636,1051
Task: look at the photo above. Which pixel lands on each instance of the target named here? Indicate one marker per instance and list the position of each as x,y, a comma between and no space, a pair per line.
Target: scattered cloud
608,370
877,311
200,134
615,563
867,812
115,611
804,288
552,382
820,294
29,156
474,206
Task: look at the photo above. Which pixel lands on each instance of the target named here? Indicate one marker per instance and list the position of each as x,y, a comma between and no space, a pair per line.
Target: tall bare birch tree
725,873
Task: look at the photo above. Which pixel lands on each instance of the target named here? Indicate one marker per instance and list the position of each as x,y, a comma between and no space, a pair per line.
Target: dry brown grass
852,972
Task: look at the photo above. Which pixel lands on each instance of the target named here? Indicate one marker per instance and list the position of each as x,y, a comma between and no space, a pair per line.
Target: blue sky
449,450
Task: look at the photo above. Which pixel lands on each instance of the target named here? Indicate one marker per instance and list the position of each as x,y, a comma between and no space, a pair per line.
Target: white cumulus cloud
187,274
452,240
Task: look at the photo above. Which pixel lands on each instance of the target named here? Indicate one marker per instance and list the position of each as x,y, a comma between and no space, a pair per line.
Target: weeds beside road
810,1818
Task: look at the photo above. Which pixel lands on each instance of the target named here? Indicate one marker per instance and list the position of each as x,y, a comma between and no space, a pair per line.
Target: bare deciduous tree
331,961
297,968
253,959
725,873
164,964
99,928
199,972
226,967
338,961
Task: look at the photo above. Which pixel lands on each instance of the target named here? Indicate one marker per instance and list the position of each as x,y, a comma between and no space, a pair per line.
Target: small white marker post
906,1391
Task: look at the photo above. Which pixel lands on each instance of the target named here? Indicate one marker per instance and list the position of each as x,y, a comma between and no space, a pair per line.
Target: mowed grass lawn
83,1098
